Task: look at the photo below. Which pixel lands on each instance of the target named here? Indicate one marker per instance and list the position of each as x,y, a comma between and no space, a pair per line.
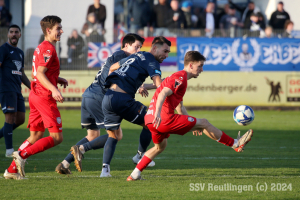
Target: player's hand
143,91
198,132
62,82
157,120
57,96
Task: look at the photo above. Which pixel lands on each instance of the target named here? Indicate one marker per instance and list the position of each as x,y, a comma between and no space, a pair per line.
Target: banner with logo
209,89
239,54
99,52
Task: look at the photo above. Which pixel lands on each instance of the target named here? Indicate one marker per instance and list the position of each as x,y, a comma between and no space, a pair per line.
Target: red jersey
177,82
45,55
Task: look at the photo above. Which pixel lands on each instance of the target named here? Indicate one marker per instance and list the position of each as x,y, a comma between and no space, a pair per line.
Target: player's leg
221,137
147,158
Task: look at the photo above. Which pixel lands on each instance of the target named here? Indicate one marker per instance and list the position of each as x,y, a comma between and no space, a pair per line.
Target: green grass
272,157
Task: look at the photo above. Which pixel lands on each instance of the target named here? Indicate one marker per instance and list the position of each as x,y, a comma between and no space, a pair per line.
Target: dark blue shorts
118,106
91,112
12,102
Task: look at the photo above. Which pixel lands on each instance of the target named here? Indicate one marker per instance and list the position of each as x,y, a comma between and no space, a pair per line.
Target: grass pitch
190,168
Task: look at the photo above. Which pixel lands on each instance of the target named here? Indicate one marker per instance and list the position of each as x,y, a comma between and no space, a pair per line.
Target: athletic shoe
105,171
129,178
15,176
136,159
9,152
78,156
20,162
62,170
242,141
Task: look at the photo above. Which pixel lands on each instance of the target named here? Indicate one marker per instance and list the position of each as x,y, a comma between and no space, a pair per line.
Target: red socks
226,140
143,163
12,168
39,146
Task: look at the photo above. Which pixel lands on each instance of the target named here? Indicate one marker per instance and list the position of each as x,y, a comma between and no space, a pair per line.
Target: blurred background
252,47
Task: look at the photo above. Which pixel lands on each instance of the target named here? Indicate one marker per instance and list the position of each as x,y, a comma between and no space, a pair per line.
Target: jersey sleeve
153,69
46,57
175,83
3,53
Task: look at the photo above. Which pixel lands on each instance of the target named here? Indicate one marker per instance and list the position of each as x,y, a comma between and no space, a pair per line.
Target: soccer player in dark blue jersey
11,77
92,117
125,78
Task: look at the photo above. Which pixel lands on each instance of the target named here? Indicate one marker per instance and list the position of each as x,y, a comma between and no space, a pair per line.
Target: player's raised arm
25,79
41,70
160,100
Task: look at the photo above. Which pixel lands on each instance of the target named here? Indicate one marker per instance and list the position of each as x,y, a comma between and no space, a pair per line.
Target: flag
99,52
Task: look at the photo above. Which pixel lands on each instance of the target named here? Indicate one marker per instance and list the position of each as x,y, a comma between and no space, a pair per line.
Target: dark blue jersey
133,71
12,62
97,86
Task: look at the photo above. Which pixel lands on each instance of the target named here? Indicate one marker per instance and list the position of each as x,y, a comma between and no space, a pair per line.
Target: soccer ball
243,115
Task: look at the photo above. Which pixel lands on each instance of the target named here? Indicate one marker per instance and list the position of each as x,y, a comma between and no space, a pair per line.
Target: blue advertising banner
239,54
99,52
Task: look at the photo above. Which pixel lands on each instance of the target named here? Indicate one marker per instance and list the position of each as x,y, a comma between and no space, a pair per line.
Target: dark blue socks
7,134
109,150
97,143
145,139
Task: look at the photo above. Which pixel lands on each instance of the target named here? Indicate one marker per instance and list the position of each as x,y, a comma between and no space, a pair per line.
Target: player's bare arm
25,79
113,68
47,84
62,82
160,100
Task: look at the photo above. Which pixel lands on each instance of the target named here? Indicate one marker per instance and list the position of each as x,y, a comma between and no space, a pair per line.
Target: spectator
161,18
139,13
100,12
229,22
207,19
186,7
268,32
75,46
246,12
288,28
279,17
219,16
5,16
257,27
93,31
179,20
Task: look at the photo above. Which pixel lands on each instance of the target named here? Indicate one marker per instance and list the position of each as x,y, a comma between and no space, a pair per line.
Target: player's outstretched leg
147,158
221,137
145,139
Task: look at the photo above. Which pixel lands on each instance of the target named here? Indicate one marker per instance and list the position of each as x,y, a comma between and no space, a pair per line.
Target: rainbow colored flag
172,59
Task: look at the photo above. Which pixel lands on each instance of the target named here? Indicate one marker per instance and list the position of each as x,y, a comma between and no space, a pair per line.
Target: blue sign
239,54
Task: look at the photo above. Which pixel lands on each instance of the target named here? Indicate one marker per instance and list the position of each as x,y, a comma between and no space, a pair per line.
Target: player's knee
202,123
57,137
119,134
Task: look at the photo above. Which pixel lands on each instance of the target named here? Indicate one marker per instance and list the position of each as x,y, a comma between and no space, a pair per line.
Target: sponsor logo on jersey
11,52
16,72
18,64
158,72
48,51
177,83
190,119
47,57
58,119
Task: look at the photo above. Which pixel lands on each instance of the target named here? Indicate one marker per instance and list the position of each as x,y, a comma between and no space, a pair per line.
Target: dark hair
48,22
287,22
280,2
193,56
14,26
130,38
160,40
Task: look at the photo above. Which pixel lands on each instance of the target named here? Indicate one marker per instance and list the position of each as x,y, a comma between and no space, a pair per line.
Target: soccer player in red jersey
42,99
161,120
